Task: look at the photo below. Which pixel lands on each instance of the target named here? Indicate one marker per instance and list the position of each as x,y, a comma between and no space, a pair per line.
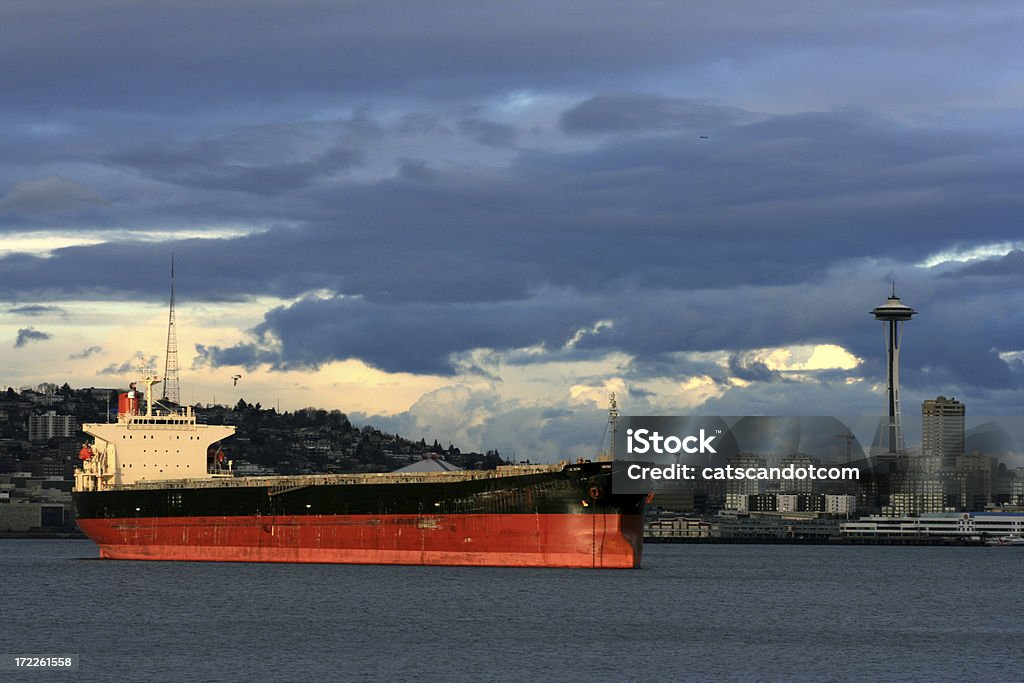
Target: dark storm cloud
751,370
264,159
85,353
389,152
646,113
958,338
417,338
940,352
685,246
415,170
200,56
195,56
488,132
49,196
37,310
202,168
132,365
28,334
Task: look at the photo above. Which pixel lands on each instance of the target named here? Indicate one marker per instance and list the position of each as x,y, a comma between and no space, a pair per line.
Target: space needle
893,313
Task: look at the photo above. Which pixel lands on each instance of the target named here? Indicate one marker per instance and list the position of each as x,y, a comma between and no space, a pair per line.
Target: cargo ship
154,486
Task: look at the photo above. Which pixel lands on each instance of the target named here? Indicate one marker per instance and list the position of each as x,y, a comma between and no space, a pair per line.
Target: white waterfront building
968,525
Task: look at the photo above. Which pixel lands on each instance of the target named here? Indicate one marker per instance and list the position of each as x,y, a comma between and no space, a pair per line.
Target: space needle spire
172,392
893,313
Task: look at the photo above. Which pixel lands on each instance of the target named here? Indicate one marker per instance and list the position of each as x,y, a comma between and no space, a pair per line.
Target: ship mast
613,423
172,392
610,428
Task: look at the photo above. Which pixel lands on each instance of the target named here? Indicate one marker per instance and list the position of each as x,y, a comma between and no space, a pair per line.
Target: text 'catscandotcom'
679,472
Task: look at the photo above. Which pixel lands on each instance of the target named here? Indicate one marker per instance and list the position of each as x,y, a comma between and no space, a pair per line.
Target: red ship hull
599,540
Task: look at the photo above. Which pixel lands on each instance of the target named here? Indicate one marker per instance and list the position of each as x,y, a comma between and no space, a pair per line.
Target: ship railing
282,482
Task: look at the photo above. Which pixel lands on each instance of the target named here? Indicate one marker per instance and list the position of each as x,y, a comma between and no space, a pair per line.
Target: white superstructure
153,446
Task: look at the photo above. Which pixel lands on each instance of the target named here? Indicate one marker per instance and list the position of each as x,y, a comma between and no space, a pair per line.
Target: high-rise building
1017,487
974,474
738,491
840,504
942,427
806,486
50,424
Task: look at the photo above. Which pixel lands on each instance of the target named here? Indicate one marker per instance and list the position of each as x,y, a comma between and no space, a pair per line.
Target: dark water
708,612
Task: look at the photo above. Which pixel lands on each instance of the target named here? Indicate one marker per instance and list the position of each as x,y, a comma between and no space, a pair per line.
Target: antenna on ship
613,423
172,393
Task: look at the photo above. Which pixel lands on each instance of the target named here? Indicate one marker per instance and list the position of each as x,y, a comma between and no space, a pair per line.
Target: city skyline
473,225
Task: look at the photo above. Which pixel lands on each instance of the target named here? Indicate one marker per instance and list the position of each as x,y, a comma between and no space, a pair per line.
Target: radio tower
893,313
172,393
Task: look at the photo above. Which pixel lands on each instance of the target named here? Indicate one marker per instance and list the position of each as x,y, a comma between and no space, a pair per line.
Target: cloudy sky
471,221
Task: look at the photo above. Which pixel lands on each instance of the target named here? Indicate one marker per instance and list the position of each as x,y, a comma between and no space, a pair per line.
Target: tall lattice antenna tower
613,422
172,392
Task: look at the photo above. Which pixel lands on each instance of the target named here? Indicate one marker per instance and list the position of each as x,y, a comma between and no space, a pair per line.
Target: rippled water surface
693,612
